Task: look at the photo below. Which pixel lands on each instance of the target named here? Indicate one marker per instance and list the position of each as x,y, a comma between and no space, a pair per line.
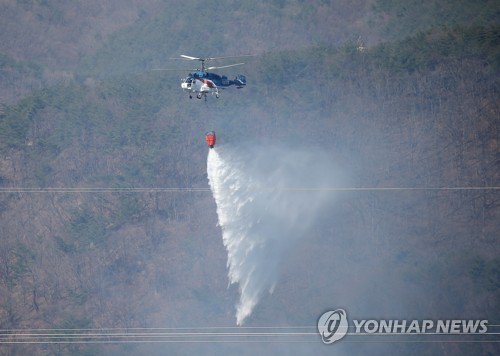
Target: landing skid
204,94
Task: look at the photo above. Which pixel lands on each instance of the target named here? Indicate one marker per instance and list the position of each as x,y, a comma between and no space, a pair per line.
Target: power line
186,335
264,334
194,189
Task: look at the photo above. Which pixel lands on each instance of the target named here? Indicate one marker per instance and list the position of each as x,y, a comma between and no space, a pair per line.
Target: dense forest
397,93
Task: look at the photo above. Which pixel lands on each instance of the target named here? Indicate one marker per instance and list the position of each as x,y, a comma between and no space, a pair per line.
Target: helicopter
201,82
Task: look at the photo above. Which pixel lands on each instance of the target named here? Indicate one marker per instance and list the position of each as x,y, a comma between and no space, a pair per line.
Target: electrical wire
194,189
271,334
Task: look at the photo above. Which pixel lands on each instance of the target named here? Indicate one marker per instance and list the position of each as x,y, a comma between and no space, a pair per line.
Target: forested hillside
395,94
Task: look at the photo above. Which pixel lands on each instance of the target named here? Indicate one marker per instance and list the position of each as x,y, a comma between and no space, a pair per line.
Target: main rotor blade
189,57
229,65
168,69
212,58
242,55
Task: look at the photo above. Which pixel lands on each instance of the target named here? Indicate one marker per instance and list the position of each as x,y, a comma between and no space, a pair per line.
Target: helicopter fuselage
202,83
